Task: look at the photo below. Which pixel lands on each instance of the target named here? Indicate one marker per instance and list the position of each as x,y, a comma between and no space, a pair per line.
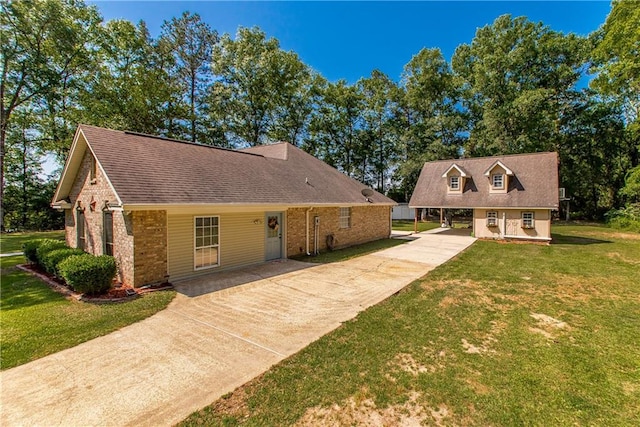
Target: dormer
498,175
455,176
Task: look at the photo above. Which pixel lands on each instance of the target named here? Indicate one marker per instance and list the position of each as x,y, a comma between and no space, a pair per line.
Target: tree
261,91
130,89
615,56
517,75
191,41
44,44
28,194
431,120
378,140
335,127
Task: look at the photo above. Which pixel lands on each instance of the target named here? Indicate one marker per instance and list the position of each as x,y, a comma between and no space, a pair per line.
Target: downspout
307,231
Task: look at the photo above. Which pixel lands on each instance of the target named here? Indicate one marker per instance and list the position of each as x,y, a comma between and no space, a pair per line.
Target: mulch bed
117,293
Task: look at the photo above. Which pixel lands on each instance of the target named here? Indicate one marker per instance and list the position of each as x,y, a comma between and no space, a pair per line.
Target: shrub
51,259
625,219
88,274
29,248
47,245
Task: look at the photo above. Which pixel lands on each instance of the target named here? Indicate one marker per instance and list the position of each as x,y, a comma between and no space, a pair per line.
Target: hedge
29,248
50,260
48,245
88,274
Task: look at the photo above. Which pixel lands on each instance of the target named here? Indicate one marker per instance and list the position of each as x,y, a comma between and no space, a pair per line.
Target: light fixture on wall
257,221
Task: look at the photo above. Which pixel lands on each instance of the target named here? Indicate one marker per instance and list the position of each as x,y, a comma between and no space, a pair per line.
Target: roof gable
460,170
496,164
148,170
533,183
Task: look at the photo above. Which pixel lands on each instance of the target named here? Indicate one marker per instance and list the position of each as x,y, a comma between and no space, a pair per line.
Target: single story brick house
511,196
168,209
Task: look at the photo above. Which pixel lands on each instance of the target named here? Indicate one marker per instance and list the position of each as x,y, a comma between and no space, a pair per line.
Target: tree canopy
518,86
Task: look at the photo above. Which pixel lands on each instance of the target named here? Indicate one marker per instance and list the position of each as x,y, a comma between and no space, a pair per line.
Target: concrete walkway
206,343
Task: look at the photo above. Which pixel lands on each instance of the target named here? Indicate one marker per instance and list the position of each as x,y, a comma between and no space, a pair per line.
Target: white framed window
528,220
345,217
454,182
497,181
206,242
492,219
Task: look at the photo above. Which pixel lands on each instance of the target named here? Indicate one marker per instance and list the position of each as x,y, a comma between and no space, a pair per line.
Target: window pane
198,222
207,222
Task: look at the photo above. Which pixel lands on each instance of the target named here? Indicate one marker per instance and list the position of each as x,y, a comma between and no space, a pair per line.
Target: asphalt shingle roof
151,170
534,184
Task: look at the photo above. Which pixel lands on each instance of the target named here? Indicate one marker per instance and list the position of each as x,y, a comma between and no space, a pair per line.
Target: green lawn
504,334
12,242
36,321
402,225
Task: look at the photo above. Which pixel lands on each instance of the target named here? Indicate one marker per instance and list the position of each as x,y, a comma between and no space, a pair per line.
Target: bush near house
51,259
81,271
29,248
47,245
88,274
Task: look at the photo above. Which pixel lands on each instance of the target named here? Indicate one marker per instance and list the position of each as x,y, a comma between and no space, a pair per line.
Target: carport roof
148,170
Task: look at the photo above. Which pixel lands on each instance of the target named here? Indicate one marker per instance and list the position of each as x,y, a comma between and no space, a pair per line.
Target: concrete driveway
219,332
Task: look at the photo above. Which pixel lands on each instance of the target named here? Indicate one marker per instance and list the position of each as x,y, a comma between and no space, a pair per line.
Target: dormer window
498,175
497,181
455,176
454,183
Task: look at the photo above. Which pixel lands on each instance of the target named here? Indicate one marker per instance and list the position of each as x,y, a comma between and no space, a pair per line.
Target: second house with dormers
511,196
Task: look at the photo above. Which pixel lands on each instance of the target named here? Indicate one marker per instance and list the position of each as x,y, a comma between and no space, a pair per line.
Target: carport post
440,216
415,221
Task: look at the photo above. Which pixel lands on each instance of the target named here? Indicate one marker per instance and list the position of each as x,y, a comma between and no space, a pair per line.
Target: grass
504,334
402,225
12,242
352,252
36,321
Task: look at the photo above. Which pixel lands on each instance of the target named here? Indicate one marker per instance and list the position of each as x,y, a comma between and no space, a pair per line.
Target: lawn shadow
561,239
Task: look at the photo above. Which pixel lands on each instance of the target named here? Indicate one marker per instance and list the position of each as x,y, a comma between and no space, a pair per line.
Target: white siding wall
241,242
403,211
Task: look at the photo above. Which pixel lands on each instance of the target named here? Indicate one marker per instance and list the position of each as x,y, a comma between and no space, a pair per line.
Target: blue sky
350,39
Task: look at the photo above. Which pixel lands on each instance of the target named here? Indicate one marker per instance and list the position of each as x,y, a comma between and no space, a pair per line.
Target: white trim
73,154
498,163
493,181
235,207
457,179
195,247
340,217
65,169
532,219
458,168
507,236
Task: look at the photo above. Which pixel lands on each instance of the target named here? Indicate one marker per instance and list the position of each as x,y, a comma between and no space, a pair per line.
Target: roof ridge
493,157
164,138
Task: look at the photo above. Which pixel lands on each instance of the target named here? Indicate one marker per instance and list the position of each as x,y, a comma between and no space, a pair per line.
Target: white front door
273,226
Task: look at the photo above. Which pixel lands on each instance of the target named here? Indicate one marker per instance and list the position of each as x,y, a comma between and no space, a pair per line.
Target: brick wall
92,196
367,223
150,247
